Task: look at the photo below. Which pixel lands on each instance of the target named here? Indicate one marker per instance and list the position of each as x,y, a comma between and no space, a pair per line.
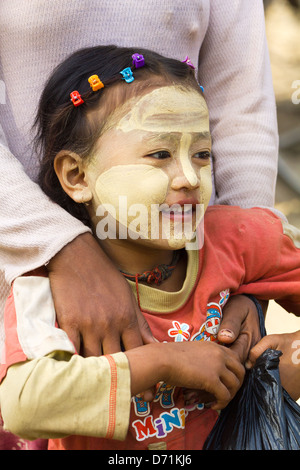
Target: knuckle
87,322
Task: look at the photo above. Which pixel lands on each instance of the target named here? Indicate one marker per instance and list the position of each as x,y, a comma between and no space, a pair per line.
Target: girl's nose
185,177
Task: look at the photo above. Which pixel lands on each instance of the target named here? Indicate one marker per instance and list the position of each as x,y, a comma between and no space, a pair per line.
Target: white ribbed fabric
227,37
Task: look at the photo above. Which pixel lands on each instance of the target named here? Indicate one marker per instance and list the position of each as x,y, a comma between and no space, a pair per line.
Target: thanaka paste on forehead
158,111
163,106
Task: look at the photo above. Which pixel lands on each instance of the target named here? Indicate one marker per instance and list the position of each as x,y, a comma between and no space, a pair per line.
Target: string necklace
158,274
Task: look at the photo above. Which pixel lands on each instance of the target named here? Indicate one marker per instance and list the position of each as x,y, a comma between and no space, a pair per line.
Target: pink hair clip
188,61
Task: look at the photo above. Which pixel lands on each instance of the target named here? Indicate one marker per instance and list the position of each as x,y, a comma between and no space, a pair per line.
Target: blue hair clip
201,88
127,75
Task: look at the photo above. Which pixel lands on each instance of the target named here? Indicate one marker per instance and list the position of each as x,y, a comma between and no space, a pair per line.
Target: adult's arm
234,69
32,228
35,231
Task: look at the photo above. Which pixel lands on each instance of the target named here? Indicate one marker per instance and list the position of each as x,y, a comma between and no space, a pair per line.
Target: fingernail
209,405
248,364
227,333
191,395
190,402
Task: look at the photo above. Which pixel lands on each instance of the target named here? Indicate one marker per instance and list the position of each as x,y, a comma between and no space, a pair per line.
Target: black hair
62,126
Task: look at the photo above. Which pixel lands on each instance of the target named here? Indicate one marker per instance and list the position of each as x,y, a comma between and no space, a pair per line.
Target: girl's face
154,151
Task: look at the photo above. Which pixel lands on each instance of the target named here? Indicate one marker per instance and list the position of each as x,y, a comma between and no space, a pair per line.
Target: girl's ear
70,172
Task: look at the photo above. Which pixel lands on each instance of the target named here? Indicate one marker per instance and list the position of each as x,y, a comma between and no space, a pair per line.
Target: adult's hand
289,365
94,303
240,325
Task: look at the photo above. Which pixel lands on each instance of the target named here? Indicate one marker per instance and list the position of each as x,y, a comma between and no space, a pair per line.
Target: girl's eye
159,155
205,155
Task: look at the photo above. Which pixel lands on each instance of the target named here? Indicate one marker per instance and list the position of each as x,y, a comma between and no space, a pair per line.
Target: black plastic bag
262,415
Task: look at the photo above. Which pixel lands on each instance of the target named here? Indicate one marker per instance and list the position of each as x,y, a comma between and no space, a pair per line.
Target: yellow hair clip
95,82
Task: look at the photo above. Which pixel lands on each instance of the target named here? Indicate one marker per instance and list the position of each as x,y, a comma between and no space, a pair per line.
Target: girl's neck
134,258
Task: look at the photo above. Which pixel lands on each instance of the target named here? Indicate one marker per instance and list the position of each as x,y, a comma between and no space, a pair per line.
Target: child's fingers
234,315
225,391
239,327
148,395
192,396
233,364
222,396
230,380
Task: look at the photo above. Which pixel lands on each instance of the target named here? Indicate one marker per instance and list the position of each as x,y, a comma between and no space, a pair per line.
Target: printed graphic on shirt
161,426
209,329
164,396
179,331
174,417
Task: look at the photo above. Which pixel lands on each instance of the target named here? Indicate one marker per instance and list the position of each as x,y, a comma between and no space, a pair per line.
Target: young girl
126,148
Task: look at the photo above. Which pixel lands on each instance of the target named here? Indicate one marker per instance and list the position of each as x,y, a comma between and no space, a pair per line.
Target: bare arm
94,303
34,230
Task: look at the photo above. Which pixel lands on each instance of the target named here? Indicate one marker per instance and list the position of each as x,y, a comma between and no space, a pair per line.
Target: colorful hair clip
201,88
76,98
188,62
127,75
138,60
95,82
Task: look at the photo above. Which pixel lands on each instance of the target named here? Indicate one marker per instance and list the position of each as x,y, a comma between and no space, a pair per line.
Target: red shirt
245,251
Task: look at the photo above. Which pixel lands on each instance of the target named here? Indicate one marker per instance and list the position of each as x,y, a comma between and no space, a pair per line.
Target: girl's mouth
178,212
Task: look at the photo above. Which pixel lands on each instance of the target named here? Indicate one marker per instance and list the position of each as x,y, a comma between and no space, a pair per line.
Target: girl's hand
289,366
217,372
205,366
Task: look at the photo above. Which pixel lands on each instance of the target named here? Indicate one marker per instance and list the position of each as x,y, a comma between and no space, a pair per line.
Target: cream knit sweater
224,38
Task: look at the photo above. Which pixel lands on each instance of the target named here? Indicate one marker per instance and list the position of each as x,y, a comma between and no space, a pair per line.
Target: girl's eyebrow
201,135
155,136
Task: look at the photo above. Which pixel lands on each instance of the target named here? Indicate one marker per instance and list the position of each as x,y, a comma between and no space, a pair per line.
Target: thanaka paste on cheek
139,184
205,185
